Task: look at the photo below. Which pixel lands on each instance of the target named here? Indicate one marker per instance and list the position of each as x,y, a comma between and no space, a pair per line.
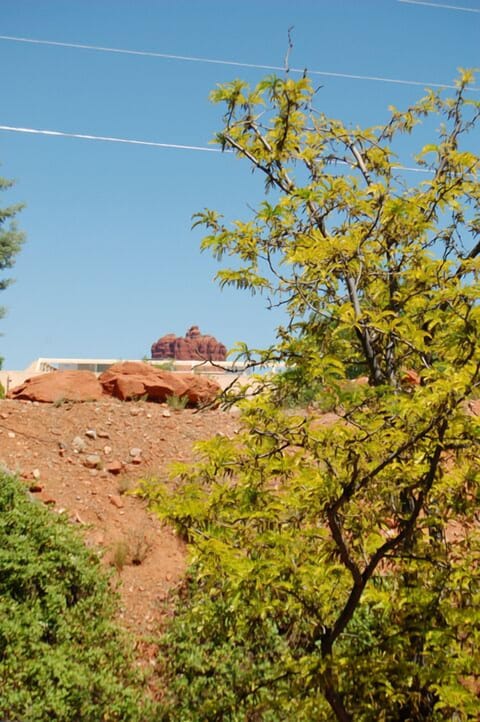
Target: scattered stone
36,474
79,444
11,434
91,433
135,452
115,467
166,413
103,434
92,461
35,488
107,450
116,501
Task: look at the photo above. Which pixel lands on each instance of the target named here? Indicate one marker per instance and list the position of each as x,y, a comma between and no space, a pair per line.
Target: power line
109,139
233,63
131,141
443,6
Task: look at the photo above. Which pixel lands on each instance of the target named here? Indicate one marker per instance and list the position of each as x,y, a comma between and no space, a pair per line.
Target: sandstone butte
193,346
126,381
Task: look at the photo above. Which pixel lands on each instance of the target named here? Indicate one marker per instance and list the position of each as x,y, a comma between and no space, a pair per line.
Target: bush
61,656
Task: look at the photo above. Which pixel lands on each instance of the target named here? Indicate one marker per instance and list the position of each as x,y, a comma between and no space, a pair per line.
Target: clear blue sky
111,262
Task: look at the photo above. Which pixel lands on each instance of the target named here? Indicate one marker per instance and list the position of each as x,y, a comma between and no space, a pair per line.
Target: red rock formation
130,380
194,346
134,379
59,386
125,380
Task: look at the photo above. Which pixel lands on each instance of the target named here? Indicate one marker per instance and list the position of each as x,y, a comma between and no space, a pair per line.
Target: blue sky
111,262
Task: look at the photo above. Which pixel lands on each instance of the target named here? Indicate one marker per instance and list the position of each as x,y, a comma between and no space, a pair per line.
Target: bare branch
289,50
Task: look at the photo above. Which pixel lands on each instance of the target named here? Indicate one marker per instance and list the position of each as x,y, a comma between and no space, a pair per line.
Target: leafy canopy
335,560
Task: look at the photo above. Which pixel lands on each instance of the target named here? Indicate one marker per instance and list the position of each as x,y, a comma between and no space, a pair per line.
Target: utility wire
109,139
234,63
443,6
131,141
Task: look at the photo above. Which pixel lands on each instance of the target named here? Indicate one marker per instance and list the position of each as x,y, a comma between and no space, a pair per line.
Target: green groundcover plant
335,562
61,656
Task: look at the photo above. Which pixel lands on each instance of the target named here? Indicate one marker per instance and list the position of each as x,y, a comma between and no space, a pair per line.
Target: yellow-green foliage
335,567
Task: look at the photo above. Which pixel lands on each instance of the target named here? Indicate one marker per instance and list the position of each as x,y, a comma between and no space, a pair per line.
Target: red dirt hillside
80,458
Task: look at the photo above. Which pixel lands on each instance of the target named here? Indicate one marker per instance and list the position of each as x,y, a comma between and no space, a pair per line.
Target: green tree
62,657
335,566
11,239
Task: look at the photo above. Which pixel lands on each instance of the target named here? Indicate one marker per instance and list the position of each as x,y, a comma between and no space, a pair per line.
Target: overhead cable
109,139
234,63
131,141
443,6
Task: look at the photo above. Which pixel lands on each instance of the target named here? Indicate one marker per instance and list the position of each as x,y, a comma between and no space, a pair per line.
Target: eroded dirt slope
81,458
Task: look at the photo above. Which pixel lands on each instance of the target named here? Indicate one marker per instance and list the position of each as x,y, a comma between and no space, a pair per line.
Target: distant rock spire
194,346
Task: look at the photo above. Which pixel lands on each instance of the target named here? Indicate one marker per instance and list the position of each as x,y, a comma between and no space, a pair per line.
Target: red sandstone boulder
193,346
59,386
166,384
126,380
200,390
133,380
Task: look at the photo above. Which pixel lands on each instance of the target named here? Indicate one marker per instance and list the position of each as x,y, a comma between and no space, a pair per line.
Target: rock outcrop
126,381
59,386
134,379
193,346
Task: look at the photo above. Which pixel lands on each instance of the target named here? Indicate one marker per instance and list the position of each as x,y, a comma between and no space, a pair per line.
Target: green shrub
177,403
2,391
61,656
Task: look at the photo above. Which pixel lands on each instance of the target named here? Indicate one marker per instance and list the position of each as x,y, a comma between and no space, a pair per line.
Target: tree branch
358,586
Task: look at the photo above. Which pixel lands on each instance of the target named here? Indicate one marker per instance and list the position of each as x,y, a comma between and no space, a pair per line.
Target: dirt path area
81,458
